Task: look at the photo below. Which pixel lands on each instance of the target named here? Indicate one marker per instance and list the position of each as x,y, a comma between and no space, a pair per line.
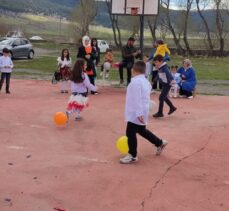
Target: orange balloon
60,118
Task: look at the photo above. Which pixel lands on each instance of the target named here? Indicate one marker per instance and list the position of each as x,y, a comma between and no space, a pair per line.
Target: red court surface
76,168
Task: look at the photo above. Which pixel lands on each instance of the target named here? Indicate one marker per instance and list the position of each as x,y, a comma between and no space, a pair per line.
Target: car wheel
31,55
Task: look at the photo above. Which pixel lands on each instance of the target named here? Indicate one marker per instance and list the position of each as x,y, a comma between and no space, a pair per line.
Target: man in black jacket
129,53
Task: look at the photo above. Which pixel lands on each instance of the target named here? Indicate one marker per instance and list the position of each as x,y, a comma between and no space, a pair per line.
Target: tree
205,3
152,23
220,25
115,25
83,14
168,22
187,8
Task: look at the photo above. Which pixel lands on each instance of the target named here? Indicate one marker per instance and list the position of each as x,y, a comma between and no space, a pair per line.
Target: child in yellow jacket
162,50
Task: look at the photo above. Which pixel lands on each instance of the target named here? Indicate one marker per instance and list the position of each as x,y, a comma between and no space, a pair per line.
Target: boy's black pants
128,66
155,80
164,97
7,77
131,133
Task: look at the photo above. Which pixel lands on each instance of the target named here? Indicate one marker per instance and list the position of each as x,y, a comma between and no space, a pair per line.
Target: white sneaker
190,97
128,159
107,75
160,148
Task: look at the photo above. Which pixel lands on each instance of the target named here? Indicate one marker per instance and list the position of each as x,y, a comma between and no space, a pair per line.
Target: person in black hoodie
166,79
87,52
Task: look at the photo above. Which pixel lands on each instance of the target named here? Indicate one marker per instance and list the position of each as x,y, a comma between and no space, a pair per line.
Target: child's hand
88,56
141,119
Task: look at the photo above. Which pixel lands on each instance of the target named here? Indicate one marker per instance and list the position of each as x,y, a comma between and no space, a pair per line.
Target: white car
103,45
36,38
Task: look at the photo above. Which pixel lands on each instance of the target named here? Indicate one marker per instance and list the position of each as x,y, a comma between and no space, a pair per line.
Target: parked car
36,38
18,47
103,45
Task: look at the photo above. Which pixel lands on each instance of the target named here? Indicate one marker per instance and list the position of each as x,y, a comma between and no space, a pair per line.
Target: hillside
60,7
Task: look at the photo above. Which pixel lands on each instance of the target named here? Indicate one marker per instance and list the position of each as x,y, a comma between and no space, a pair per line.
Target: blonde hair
188,62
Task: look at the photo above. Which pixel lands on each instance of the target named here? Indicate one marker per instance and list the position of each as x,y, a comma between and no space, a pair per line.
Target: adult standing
188,76
129,53
94,44
87,52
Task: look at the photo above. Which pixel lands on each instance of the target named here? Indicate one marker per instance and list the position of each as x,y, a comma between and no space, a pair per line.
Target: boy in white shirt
136,113
6,66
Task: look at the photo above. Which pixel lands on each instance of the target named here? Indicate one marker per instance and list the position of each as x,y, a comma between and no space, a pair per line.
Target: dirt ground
76,168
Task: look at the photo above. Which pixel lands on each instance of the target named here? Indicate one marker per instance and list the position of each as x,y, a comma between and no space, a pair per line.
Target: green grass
43,64
206,68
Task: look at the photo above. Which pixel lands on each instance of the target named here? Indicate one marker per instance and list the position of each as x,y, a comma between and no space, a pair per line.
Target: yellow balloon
122,145
60,118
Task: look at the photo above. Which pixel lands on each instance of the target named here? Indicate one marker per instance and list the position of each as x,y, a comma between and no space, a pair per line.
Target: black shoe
7,92
172,110
94,93
158,115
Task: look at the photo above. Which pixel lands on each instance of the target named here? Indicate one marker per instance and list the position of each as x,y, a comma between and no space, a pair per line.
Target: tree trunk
153,28
210,45
180,50
220,27
114,24
185,35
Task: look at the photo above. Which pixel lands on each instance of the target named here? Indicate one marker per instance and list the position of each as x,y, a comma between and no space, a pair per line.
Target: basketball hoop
134,11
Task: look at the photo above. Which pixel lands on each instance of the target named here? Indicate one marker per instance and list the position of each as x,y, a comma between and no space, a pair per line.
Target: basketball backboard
135,7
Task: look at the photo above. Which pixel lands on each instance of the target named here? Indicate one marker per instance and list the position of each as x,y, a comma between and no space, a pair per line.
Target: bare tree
187,7
220,25
83,14
152,23
204,4
166,5
115,25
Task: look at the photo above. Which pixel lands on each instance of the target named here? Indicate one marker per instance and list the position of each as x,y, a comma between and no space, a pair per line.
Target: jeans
131,132
128,66
7,76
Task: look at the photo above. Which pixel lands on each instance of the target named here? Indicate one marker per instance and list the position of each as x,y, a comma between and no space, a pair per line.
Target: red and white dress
79,100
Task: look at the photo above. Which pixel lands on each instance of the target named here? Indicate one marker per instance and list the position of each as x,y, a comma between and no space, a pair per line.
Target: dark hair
77,75
160,42
5,50
139,67
131,39
62,54
158,58
92,40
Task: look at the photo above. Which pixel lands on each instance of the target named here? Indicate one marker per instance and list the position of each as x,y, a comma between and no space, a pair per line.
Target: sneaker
128,159
182,96
190,97
107,75
172,110
62,91
7,92
101,74
160,148
66,91
157,115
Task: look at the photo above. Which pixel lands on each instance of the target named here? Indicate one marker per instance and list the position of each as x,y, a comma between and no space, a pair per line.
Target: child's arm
11,64
136,99
88,84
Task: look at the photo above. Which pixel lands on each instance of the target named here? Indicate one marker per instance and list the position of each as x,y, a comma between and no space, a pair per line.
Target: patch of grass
43,64
207,68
